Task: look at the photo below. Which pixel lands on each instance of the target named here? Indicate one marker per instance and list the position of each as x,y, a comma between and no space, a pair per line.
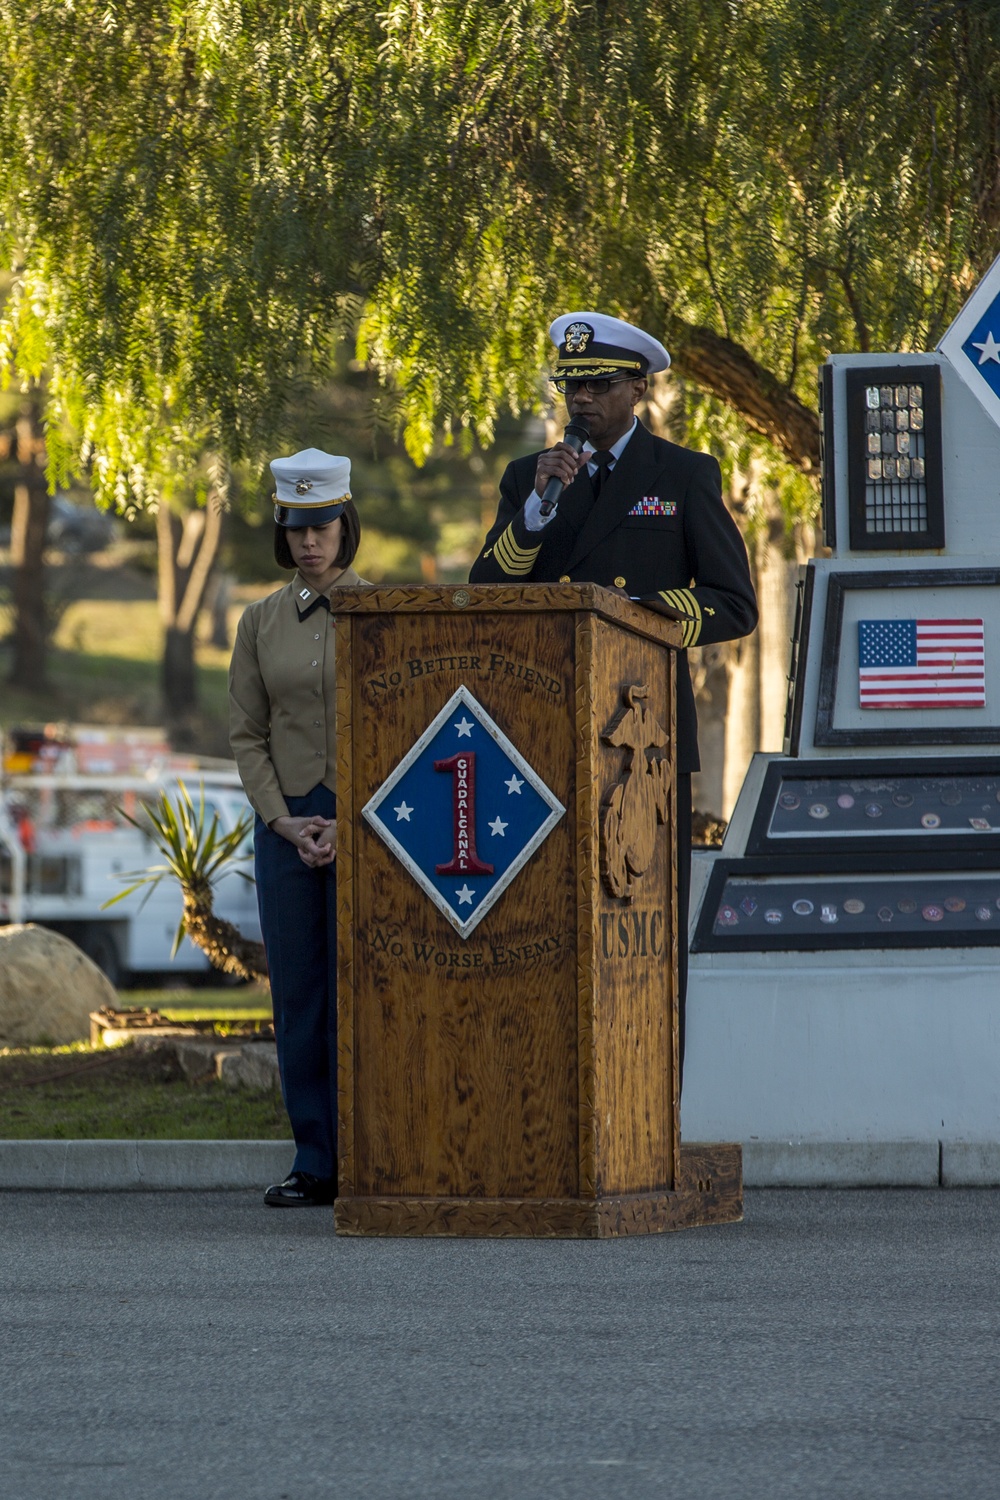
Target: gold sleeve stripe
515,549
674,598
516,560
692,630
512,558
684,599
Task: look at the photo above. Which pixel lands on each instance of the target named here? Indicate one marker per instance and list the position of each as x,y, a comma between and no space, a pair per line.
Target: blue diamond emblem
972,343
463,811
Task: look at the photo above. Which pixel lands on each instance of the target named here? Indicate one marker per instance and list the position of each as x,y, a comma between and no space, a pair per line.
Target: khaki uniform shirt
282,703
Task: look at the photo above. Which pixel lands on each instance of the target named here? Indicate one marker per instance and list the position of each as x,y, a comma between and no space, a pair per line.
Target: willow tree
201,196
165,278
759,180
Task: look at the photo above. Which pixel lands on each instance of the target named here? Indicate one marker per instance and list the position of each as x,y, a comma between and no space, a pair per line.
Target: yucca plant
196,855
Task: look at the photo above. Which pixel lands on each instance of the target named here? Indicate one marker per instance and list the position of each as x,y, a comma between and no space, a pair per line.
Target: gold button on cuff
619,582
564,578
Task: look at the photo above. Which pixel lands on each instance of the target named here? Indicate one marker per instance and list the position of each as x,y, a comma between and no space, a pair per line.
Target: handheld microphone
574,437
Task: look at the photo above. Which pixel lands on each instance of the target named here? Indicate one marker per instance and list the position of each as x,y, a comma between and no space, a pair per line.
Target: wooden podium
519,1079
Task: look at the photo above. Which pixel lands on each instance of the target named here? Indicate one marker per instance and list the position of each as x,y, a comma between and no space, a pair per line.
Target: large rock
47,988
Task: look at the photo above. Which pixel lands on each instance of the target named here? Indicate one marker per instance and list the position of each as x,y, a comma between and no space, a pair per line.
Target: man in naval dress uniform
639,514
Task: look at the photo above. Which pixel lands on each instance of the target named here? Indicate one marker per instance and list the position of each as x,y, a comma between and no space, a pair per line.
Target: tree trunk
187,546
732,374
217,599
27,548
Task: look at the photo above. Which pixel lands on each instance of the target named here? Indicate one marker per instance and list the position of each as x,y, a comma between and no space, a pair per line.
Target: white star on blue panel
989,349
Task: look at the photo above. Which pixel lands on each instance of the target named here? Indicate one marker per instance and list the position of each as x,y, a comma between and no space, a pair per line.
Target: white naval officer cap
311,488
591,344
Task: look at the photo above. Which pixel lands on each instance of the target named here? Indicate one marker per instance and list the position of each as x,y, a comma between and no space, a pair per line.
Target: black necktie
603,458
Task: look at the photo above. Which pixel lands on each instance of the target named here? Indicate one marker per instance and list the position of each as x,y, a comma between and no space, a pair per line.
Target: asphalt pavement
160,1346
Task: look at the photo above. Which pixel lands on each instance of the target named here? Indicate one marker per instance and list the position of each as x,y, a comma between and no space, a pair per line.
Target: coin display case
889,806
901,853
754,905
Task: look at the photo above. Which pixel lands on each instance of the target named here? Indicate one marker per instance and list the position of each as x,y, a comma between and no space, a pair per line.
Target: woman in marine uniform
283,735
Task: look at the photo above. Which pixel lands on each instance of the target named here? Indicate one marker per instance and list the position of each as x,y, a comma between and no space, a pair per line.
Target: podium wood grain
520,1080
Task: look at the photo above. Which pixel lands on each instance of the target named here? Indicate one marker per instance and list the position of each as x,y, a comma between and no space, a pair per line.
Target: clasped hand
314,837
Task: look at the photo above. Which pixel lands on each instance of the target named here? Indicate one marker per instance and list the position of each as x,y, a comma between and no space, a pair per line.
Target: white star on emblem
402,812
990,350
513,785
464,726
464,896
498,827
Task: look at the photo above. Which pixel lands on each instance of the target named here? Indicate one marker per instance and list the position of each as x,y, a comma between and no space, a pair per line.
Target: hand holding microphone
559,466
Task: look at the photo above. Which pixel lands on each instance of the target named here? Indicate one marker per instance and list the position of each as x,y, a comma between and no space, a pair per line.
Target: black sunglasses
566,386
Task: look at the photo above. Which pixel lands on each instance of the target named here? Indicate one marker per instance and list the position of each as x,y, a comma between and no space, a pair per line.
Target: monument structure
843,972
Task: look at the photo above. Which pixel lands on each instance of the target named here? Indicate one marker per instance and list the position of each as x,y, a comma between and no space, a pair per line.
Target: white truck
65,845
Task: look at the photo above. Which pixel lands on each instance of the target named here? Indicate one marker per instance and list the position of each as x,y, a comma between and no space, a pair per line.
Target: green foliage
195,853
201,199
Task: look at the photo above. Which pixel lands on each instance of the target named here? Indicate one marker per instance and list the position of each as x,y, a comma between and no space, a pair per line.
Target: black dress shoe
301,1190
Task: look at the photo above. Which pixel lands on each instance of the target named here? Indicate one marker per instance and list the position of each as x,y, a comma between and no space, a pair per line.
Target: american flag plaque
927,663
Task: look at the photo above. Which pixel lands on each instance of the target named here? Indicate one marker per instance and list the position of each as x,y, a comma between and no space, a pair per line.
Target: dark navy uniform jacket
658,527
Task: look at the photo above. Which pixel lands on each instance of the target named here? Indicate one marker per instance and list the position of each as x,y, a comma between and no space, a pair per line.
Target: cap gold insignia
578,336
303,487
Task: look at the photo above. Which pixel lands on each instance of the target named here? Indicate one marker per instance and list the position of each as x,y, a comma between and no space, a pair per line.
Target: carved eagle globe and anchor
638,802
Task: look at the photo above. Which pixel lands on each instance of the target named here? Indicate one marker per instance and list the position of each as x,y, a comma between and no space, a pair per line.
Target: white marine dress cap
311,487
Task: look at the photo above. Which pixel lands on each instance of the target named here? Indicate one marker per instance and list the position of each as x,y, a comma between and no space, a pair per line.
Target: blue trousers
298,919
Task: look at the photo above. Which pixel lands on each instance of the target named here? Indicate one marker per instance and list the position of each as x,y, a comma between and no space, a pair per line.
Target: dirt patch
113,1066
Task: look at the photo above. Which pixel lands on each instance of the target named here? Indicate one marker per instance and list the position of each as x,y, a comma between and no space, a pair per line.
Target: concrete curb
841,1164
165,1166
871,1164
142,1166
970,1164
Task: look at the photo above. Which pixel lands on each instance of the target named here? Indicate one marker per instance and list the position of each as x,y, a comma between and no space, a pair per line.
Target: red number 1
465,860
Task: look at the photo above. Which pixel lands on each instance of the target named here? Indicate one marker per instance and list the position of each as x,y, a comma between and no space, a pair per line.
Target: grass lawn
244,1008
126,1093
123,1093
